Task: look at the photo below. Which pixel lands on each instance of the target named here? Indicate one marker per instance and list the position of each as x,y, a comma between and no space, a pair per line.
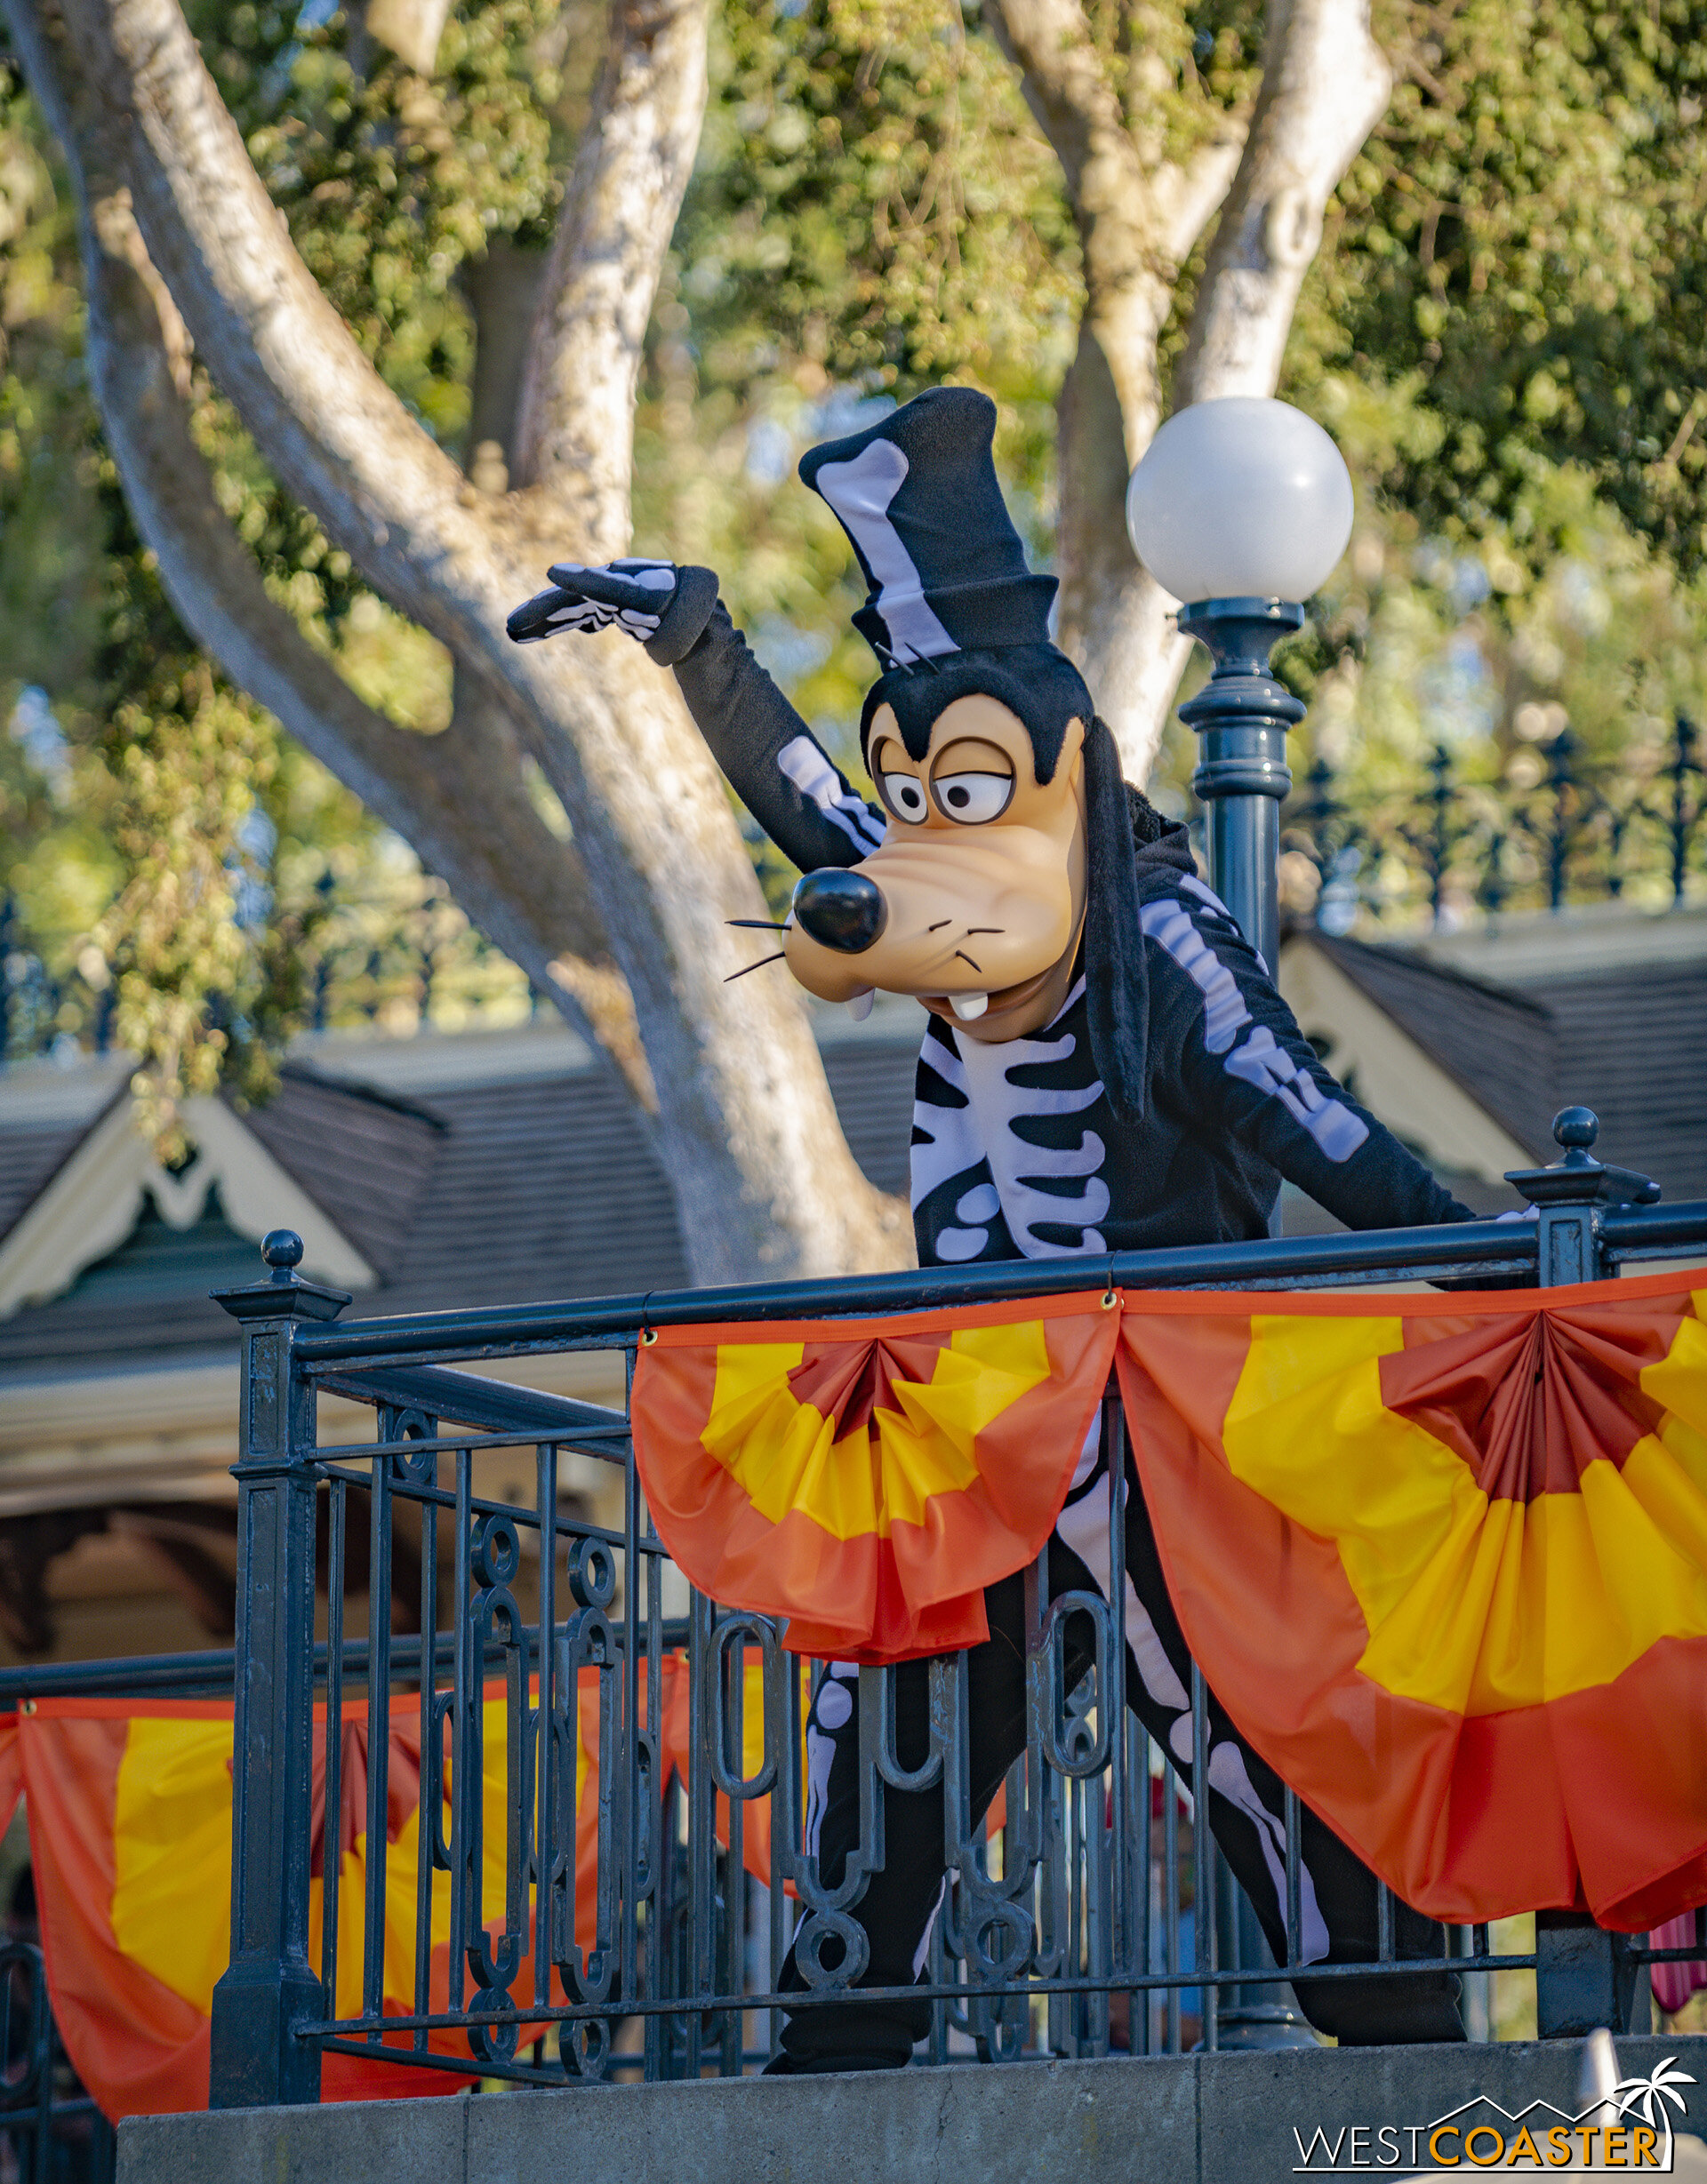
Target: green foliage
873,211
1520,249
182,879
391,182
1504,328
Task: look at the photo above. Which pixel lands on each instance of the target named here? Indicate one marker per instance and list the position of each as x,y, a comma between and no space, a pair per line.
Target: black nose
841,909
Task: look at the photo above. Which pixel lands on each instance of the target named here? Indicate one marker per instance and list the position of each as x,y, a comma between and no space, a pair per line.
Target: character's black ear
1117,985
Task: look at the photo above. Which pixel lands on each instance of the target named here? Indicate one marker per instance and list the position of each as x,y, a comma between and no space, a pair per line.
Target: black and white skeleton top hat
917,496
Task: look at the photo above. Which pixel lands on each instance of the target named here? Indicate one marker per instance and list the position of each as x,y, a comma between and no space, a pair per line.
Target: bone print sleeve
1245,1068
771,759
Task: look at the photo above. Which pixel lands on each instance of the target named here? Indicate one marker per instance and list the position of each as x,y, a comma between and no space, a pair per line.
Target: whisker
757,924
939,925
962,953
759,966
973,930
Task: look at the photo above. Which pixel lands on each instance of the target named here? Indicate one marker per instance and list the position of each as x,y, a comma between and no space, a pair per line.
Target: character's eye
972,798
904,793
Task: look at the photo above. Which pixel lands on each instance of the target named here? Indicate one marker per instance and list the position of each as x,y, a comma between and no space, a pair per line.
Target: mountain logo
1627,2125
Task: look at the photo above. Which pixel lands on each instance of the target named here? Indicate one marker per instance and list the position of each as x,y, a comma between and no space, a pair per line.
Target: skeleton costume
1161,1107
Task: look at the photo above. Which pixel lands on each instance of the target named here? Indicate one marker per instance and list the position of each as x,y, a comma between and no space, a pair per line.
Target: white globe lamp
1241,509
1240,499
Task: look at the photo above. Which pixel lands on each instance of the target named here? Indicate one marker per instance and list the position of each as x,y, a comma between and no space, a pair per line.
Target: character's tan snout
935,914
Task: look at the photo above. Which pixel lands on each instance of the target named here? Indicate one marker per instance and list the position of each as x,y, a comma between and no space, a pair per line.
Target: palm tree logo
1648,2098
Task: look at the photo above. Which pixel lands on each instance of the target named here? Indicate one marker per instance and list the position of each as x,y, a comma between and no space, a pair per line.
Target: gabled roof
1602,1009
1497,1044
512,1171
93,1199
1631,1044
367,1156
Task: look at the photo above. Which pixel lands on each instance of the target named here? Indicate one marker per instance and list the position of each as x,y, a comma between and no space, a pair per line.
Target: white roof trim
92,1204
1397,1079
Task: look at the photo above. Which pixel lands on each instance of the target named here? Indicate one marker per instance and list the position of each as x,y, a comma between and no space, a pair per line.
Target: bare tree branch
1139,212
411,29
426,787
575,437
745,1127
1324,84
340,440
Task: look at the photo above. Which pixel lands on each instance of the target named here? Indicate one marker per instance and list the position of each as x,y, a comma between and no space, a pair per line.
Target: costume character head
1008,862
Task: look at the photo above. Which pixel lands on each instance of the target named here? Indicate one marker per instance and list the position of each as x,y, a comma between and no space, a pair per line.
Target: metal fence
1096,1916
390,957
50,2131
1541,827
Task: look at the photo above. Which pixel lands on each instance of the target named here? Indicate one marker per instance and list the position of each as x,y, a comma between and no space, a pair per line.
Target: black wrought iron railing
50,2131
632,1927
1541,827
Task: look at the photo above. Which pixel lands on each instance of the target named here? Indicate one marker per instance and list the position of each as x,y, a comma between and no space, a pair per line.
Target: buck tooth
968,1007
859,1005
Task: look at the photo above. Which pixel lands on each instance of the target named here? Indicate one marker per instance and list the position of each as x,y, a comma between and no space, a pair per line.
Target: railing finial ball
282,1249
1576,1126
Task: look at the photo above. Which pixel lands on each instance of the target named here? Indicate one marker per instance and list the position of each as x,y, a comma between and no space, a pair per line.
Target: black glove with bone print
661,606
629,596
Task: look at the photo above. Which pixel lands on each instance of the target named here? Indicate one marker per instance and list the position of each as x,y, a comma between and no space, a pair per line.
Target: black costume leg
1339,1916
1247,1808
900,1901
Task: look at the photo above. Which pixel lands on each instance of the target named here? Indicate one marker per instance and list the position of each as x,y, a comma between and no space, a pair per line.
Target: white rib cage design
957,1142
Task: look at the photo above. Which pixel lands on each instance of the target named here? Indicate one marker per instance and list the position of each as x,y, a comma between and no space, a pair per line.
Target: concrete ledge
1211,2119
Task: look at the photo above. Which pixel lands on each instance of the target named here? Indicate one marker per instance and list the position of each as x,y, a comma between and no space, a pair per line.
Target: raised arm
773,761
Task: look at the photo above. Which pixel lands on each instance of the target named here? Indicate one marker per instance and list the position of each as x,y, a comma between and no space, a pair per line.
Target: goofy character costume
1107,1067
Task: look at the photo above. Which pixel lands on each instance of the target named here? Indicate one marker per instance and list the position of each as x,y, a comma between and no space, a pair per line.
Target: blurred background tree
1503,327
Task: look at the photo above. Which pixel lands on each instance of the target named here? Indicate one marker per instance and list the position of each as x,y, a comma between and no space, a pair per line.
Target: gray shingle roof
495,1193
1633,1046
538,1182
29,1153
1499,1045
366,1157
1628,1039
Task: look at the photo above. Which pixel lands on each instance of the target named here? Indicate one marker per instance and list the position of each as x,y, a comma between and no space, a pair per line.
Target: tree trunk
744,1124
1324,84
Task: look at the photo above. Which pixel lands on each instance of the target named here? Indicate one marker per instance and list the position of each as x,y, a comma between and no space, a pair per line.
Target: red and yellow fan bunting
130,1819
868,1479
1444,1560
130,1836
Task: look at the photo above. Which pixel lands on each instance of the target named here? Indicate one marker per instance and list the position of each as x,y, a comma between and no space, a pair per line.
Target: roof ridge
359,1088
1413,959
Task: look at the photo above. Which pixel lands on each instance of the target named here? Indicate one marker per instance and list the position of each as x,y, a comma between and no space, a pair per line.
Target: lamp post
1241,509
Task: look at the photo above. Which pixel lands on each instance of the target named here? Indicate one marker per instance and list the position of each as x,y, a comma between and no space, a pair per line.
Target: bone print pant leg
1339,1919
899,1901
1247,1801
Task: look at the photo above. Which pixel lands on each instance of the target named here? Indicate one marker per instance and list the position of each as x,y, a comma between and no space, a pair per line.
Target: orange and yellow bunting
130,1821
130,1838
1444,1559
868,1479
